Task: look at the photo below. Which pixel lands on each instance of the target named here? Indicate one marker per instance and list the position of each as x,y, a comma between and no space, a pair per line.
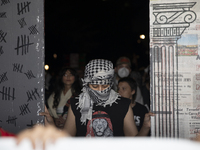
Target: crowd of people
67,81
108,101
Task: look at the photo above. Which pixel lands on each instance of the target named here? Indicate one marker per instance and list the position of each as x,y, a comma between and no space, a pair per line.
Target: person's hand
41,134
144,131
48,119
147,119
59,121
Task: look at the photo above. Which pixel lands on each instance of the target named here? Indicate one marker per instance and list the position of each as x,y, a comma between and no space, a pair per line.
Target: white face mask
123,72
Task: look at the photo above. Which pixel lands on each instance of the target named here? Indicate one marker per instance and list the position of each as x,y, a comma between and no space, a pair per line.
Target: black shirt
139,114
106,121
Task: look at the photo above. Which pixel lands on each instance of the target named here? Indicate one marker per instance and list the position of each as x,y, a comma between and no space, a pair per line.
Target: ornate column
168,23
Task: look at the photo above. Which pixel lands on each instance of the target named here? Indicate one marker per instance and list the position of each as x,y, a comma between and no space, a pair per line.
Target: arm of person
67,105
70,124
48,119
146,125
130,128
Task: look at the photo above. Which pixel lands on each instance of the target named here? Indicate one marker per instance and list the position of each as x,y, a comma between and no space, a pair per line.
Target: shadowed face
68,78
125,90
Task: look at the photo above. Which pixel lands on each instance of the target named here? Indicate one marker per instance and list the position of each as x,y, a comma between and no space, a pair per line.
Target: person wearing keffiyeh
98,97
98,111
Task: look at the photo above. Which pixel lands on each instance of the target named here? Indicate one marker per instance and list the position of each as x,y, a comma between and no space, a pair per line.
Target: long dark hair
132,83
76,86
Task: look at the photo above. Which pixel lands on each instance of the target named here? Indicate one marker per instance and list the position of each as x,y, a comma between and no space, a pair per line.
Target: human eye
94,85
70,75
105,86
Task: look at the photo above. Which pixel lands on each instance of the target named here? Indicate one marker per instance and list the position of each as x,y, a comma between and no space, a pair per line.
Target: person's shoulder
141,107
74,99
73,102
123,100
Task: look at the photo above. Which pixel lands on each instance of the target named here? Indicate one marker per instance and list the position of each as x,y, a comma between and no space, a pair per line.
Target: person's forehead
124,65
123,84
68,72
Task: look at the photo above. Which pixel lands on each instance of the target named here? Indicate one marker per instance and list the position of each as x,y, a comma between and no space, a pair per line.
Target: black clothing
109,118
139,114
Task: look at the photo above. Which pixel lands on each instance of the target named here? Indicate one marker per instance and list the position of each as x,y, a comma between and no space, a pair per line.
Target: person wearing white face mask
123,72
98,111
123,69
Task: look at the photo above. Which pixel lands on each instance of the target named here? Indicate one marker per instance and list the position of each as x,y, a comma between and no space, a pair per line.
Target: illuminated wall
21,61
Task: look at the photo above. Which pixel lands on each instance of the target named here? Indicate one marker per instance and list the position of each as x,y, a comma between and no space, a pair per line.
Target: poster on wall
175,68
21,64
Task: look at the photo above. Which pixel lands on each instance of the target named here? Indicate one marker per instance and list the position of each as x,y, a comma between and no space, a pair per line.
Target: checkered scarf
97,71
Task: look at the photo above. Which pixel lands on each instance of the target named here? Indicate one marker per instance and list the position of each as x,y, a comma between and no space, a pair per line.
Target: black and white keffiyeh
101,72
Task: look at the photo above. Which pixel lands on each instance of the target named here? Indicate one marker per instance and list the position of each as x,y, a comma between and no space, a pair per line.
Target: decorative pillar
169,21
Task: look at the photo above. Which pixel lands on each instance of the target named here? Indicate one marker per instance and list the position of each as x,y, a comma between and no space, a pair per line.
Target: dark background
96,29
